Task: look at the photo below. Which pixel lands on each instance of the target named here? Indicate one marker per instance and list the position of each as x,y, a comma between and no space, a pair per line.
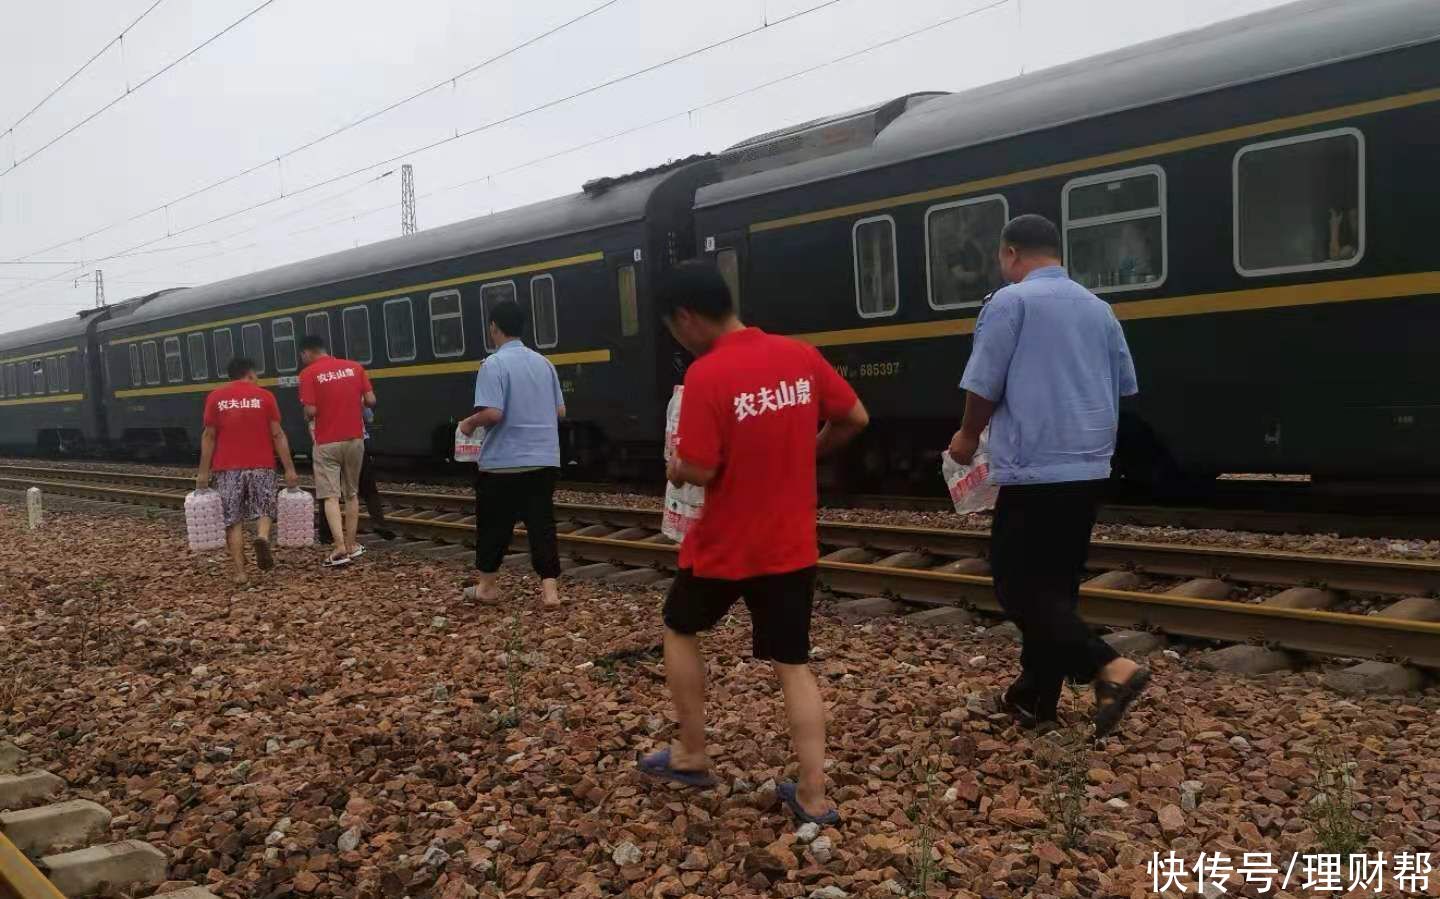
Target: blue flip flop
788,791
657,764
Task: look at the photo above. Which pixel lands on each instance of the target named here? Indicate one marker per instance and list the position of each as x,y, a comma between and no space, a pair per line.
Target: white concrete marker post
32,503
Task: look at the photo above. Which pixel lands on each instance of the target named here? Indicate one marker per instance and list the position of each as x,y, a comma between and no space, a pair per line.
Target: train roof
72,328
604,202
1284,39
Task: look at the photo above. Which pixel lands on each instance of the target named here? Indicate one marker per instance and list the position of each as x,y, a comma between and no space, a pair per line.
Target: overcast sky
298,69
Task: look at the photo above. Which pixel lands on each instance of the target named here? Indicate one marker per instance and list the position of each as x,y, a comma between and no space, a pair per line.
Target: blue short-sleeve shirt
523,386
1053,356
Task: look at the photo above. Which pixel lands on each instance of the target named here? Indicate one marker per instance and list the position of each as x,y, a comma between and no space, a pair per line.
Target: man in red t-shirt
241,439
332,391
749,417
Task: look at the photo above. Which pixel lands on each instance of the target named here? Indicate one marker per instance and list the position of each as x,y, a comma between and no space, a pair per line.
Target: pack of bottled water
204,520
683,505
296,518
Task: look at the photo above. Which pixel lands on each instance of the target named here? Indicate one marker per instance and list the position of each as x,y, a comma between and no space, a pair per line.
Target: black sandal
1113,700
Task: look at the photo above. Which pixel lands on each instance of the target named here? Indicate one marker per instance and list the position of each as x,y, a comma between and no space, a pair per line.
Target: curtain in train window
135,377
52,374
63,366
224,352
151,354
1115,230
877,285
399,330
492,295
962,246
355,322
282,335
1300,203
317,324
37,377
728,262
199,365
629,301
21,373
447,324
542,312
252,343
174,367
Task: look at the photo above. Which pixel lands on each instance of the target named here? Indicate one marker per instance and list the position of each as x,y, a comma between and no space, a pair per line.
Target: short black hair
313,342
1031,233
698,286
239,367
508,317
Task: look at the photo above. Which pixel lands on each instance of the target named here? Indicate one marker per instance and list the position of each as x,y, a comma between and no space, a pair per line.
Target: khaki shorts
337,469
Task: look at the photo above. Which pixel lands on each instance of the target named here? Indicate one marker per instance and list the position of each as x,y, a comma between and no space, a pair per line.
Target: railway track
939,567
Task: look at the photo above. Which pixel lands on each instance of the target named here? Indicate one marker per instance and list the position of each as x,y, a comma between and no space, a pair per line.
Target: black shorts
779,607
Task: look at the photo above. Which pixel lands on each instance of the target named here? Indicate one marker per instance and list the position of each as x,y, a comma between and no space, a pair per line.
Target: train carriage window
399,330
224,352
282,335
728,262
52,373
629,301
542,311
447,324
150,354
317,324
962,246
10,387
37,377
21,374
1300,203
877,283
135,379
1115,235
63,365
199,365
3,392
252,343
174,369
355,322
490,296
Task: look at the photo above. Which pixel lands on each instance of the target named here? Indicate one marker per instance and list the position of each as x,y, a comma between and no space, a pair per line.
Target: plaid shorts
246,494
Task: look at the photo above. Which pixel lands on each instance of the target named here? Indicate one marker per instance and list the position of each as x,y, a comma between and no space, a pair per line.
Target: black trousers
503,499
1040,536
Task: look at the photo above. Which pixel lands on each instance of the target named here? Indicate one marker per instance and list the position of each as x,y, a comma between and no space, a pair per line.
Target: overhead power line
130,90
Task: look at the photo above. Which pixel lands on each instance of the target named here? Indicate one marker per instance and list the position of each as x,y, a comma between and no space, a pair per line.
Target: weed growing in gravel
91,610
1332,809
924,871
12,686
514,671
1064,756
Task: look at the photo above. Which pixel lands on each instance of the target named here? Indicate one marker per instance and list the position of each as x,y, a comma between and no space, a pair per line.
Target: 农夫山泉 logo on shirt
325,377
785,395
227,405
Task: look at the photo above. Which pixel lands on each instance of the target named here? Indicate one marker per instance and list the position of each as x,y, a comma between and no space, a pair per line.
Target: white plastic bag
467,449
683,505
971,489
295,518
204,520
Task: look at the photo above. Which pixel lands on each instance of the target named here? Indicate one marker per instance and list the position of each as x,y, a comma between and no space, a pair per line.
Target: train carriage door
729,252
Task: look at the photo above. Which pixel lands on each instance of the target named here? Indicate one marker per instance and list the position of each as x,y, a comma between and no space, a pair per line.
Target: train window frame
150,355
929,278
410,316
37,377
276,341
259,332
485,309
1360,203
52,374
554,312
732,253
136,372
7,390
458,314
20,373
178,377
222,369
328,336
1161,211
4,393
201,371
629,299
349,343
63,365
894,263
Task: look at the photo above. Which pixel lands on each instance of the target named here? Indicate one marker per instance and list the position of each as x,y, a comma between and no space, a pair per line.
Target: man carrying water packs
242,436
1046,373
751,408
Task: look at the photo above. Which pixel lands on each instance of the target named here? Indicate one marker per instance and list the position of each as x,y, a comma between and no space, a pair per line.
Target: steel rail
1325,633
19,878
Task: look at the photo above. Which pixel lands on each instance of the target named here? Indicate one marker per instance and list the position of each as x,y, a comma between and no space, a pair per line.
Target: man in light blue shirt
519,403
1046,373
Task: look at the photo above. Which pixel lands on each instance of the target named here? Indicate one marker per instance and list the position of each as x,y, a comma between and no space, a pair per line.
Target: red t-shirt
751,409
335,387
241,412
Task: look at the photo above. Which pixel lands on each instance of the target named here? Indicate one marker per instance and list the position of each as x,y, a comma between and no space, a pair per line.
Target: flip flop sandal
264,558
336,561
359,551
789,794
472,594
657,764
1114,700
